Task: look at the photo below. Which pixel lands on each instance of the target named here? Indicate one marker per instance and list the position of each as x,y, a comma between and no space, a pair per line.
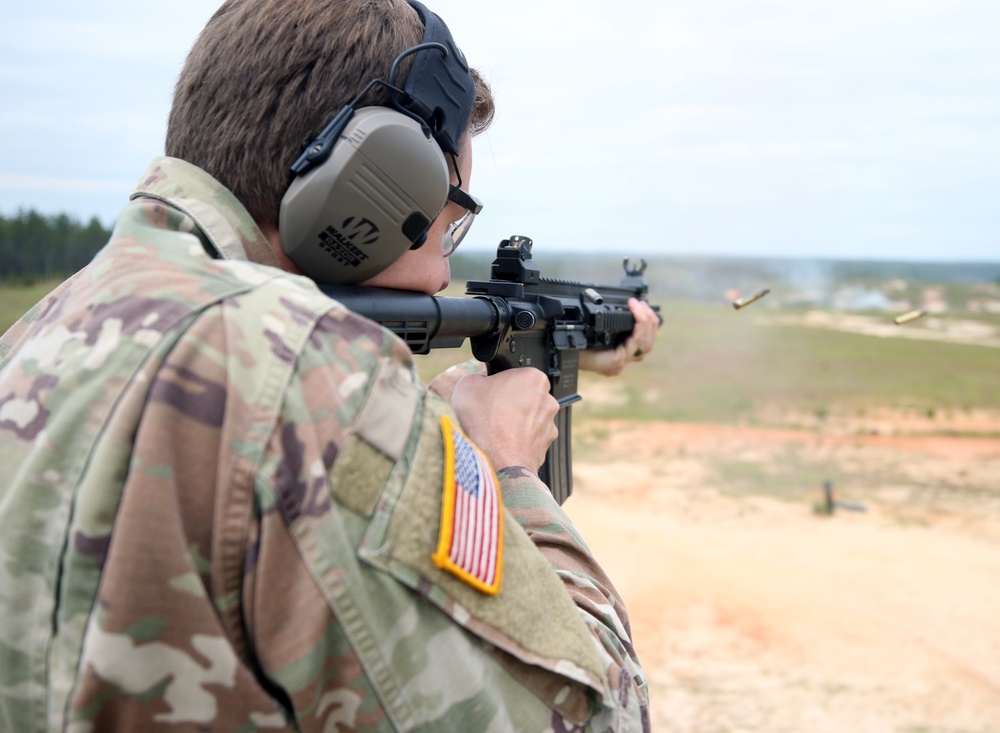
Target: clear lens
458,229
456,233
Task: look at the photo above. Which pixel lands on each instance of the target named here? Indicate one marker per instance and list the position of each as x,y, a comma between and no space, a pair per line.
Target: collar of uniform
218,213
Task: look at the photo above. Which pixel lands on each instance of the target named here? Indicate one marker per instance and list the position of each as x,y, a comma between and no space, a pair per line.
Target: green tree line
36,247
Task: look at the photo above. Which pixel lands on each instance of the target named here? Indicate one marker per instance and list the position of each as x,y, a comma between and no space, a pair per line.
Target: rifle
516,319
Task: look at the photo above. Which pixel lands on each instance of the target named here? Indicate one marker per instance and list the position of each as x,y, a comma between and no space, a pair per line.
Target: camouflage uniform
221,494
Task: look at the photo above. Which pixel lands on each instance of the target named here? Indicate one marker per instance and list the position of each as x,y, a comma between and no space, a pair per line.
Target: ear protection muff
370,201
368,187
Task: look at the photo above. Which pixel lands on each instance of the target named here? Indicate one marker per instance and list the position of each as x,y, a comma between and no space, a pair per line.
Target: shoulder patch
470,543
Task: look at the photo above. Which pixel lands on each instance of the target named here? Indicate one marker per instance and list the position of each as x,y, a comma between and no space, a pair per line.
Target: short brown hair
266,76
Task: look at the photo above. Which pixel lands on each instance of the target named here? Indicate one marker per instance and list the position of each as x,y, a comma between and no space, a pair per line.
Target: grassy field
719,365
16,300
714,364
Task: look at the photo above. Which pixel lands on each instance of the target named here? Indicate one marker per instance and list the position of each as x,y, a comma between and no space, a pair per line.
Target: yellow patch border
441,556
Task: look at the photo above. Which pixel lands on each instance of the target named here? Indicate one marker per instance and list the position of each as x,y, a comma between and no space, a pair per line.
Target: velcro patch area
470,543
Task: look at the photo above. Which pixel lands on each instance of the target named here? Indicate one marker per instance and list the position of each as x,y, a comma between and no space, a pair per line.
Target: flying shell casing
743,302
911,316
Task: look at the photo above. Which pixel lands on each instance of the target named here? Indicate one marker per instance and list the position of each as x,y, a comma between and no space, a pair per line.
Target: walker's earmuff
369,186
374,198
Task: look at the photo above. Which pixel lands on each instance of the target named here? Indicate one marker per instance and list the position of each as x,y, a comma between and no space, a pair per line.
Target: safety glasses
458,229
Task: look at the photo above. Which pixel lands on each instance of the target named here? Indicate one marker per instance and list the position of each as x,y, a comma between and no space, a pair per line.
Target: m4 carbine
516,319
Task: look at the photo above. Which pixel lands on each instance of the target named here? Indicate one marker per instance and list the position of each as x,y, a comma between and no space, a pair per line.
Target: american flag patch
470,545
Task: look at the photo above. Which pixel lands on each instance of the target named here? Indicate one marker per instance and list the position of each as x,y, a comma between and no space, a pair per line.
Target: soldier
227,502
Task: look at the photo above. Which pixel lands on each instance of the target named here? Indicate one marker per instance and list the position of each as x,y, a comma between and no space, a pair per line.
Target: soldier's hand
509,415
635,348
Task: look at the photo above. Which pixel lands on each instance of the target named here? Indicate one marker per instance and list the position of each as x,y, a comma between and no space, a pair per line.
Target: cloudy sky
811,128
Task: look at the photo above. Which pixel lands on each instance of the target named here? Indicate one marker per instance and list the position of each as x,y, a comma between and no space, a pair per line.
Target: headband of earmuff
439,89
370,184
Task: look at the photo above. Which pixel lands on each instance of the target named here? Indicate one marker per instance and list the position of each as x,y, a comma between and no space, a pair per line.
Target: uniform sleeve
387,628
529,501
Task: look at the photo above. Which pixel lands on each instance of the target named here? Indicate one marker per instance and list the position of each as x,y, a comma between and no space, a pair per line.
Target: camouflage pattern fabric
220,496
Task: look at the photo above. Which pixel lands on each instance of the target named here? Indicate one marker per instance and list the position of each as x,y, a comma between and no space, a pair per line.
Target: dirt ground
756,613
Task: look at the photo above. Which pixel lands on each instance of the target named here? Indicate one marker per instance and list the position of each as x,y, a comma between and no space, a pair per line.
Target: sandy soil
754,613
